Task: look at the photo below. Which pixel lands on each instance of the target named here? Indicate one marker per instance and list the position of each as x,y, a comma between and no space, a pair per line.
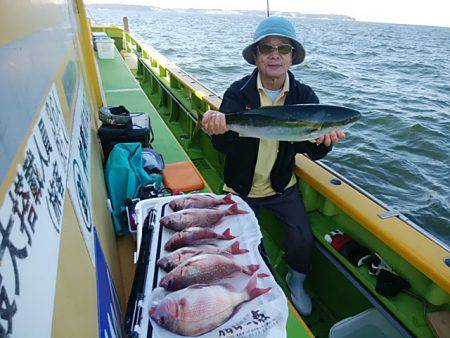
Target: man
261,171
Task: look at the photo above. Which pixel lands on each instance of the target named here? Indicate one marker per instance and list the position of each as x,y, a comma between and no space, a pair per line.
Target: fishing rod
267,8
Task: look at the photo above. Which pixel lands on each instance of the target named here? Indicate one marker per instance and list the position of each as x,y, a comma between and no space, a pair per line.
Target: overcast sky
429,12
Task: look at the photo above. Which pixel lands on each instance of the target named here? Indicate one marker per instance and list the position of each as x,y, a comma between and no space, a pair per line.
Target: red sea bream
172,260
199,201
201,308
204,269
188,218
195,236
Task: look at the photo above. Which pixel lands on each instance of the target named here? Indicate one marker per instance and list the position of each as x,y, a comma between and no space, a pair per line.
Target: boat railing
182,100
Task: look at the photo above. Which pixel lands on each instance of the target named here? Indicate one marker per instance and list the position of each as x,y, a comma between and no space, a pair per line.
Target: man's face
274,64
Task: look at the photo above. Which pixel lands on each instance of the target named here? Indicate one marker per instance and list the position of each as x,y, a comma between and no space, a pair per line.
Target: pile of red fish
199,302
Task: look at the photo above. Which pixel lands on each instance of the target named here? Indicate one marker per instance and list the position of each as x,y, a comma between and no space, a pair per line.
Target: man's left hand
331,139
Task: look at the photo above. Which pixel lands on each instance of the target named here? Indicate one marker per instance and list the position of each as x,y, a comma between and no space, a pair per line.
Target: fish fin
252,290
263,275
228,199
256,292
250,269
234,210
236,250
227,234
226,285
192,250
182,301
198,286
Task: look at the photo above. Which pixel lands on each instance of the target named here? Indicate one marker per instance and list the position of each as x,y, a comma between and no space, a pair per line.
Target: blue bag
125,175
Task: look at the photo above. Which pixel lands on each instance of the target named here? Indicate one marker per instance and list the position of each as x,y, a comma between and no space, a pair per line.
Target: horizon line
262,11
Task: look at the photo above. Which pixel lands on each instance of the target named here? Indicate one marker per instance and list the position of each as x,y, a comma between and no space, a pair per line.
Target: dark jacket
242,152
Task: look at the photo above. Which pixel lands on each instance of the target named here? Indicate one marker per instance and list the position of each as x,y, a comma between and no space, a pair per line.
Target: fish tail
227,234
252,290
228,199
234,210
250,269
236,250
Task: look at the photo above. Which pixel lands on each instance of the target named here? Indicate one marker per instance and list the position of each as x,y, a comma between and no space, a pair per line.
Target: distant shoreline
262,13
234,11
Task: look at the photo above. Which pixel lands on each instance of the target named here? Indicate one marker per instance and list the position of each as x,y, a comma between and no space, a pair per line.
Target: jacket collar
250,91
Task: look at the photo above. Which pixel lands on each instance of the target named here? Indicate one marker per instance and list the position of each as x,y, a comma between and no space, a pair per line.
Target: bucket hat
276,26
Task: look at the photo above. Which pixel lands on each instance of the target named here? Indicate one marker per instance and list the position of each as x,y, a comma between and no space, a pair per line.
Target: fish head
165,312
339,116
327,119
166,263
177,204
170,282
171,221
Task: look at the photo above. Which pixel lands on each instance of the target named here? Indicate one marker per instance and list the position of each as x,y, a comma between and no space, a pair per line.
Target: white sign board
79,181
30,228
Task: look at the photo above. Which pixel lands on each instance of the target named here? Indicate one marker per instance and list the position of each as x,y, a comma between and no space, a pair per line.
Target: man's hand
331,138
214,123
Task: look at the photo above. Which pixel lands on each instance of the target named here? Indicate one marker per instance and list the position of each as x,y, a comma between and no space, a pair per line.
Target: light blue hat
277,26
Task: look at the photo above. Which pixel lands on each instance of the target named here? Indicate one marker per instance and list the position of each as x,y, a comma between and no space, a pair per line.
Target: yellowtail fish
299,122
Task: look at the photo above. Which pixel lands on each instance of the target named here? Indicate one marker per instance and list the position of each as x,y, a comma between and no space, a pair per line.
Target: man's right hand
214,123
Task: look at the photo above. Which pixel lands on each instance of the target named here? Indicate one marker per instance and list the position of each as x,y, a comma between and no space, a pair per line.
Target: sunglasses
266,49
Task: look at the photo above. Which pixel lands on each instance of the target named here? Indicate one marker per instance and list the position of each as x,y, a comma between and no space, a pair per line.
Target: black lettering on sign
55,197
7,310
13,251
55,114
82,195
23,207
32,176
44,156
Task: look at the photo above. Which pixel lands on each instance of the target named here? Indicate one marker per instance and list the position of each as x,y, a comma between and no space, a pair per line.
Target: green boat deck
174,100
121,88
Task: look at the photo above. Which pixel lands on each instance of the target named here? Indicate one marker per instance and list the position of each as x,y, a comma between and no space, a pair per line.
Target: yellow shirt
267,151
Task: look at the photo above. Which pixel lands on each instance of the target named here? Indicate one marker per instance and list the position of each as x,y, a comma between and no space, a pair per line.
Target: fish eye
170,283
169,265
162,320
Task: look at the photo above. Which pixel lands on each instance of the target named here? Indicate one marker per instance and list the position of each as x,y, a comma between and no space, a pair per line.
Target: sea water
398,76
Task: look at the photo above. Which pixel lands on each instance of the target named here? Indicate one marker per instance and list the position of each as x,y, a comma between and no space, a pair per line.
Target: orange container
182,176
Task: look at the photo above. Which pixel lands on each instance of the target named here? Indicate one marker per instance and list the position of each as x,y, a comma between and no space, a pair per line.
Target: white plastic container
105,48
99,35
367,324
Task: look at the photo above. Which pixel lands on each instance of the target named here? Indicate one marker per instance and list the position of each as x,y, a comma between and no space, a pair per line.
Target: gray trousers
298,238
